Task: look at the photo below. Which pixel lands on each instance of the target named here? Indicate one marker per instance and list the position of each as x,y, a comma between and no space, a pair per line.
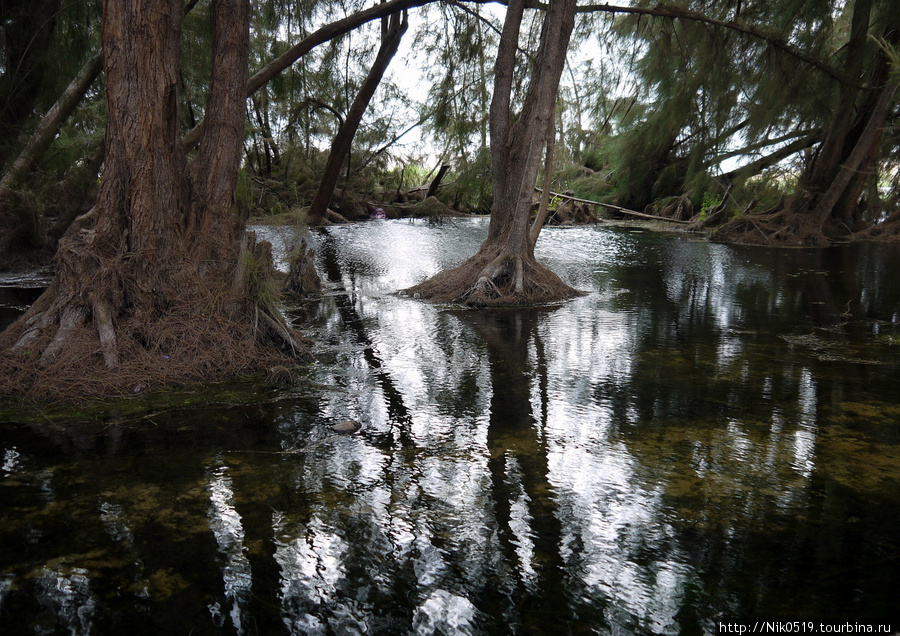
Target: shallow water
711,433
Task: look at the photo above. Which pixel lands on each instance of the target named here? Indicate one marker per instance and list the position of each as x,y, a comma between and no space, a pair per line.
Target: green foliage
768,188
651,111
469,187
710,201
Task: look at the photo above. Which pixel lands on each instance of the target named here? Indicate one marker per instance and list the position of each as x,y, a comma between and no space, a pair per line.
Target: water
711,433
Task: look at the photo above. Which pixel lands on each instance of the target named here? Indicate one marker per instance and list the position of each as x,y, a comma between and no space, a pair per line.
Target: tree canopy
663,107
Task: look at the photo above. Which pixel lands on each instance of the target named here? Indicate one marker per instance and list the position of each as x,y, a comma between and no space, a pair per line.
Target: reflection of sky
658,449
67,600
225,523
611,515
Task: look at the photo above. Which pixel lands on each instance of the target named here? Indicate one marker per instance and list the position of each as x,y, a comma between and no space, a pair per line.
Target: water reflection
225,523
710,432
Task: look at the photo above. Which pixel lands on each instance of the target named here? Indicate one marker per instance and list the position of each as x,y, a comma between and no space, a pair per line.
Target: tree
392,30
505,271
158,289
27,29
828,202
761,81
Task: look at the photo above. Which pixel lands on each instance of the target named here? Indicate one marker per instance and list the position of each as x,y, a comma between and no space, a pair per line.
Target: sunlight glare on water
710,431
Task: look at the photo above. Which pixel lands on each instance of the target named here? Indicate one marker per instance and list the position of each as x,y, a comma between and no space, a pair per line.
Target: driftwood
620,210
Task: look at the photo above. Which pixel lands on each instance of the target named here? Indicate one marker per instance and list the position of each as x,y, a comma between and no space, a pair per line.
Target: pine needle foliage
702,92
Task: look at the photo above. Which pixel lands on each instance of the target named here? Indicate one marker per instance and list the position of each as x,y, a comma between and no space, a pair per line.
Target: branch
618,209
664,11
320,36
754,147
762,163
50,124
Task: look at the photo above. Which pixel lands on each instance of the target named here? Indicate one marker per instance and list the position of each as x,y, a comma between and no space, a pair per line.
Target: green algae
241,391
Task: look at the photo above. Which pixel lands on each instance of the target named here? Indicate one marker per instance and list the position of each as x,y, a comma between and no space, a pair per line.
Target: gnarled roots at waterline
493,277
97,331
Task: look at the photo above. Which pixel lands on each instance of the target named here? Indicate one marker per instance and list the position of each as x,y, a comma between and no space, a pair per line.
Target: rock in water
346,427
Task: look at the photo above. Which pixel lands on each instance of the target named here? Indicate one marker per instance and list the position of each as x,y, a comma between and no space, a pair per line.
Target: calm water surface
711,433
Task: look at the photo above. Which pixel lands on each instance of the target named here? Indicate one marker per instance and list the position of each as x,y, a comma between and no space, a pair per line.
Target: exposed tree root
78,344
493,278
789,224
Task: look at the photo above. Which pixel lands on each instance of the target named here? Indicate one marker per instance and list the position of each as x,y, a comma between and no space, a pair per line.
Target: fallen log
621,210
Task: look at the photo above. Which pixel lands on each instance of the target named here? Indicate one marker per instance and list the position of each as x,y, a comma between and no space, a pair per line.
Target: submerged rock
346,427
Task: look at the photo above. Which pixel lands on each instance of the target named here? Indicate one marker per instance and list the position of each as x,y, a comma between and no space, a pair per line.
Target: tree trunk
436,182
504,271
149,293
392,30
320,36
860,158
833,148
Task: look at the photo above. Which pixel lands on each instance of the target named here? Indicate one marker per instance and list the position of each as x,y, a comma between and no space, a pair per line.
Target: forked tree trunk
504,271
392,30
151,287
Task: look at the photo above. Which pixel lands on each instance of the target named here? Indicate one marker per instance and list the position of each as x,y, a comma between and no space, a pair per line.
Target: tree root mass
493,278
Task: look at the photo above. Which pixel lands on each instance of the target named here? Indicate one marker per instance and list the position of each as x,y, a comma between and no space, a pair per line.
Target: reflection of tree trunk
397,411
518,462
392,30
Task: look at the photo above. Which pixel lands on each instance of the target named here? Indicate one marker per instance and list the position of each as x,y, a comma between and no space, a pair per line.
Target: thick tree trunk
504,271
392,30
149,294
212,228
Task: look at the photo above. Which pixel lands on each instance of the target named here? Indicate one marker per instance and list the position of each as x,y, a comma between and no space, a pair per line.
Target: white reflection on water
632,461
225,523
444,613
6,583
67,600
805,436
520,520
312,569
11,461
